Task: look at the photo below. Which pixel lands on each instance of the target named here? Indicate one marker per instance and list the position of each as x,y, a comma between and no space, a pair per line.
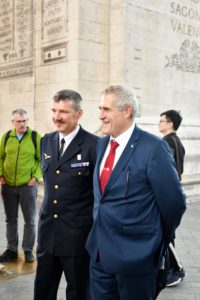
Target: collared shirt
19,136
68,138
122,140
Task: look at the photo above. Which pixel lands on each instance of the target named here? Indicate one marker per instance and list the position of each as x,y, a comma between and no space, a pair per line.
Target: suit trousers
49,272
104,286
25,197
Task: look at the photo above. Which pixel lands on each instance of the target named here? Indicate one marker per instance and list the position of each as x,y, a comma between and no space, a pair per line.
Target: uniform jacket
19,160
66,212
140,208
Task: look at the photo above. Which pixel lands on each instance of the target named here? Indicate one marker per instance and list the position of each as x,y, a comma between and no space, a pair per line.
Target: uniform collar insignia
46,156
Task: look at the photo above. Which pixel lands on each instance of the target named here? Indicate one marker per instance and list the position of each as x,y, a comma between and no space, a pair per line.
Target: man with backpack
19,172
169,123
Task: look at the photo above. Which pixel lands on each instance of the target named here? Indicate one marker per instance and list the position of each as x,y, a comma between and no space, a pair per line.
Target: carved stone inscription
185,21
54,19
16,31
185,17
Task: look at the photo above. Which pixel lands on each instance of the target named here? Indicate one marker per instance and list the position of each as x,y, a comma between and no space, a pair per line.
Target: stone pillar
71,52
155,48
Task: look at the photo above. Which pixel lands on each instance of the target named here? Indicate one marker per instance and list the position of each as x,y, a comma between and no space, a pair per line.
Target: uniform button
57,171
55,201
55,216
79,173
56,186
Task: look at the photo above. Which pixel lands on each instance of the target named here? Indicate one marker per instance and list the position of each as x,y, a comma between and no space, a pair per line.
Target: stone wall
16,58
153,46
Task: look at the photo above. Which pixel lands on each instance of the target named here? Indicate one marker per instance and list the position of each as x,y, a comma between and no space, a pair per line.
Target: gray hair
69,95
19,111
124,96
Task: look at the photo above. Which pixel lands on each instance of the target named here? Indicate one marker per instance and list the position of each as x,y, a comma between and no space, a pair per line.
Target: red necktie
107,169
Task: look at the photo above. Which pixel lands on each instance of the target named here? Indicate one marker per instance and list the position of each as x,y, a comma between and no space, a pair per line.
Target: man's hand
2,180
32,182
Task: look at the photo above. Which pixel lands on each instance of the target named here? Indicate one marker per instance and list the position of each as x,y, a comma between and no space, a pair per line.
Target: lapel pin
46,156
79,157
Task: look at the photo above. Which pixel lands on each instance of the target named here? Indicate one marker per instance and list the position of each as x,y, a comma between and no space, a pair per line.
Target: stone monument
153,46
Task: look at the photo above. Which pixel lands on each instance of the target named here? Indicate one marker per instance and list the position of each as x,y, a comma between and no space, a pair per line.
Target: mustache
58,122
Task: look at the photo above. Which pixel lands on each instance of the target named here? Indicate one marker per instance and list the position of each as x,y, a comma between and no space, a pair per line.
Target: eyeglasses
21,121
162,121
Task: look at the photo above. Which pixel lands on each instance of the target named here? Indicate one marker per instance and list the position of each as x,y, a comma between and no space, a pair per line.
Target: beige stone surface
153,46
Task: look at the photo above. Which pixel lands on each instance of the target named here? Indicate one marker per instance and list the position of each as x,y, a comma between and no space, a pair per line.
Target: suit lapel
101,150
55,146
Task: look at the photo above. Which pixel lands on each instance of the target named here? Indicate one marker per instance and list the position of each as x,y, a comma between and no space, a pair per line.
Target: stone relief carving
54,53
16,37
187,59
54,30
54,19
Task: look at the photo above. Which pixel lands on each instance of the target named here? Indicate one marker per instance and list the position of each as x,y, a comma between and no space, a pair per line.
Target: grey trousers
25,196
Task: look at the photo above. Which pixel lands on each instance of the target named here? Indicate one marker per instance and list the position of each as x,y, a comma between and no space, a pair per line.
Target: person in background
19,172
137,206
68,158
170,121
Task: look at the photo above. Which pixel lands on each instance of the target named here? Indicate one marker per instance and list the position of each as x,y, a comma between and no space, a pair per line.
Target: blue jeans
25,196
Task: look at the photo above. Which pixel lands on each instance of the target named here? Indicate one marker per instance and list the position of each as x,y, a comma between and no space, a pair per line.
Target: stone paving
19,285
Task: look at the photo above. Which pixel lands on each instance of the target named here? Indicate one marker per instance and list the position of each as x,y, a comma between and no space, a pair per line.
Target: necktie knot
62,141
113,145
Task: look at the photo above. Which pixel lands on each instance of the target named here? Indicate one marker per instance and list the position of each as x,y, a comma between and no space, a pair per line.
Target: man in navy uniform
67,159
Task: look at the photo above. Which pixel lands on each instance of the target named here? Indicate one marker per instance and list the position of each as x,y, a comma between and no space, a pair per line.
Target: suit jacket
65,216
140,208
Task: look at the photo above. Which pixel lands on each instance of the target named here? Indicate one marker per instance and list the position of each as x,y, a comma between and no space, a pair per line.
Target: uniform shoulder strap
6,137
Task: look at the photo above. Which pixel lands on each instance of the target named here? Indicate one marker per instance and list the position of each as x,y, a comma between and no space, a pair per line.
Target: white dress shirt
68,138
122,140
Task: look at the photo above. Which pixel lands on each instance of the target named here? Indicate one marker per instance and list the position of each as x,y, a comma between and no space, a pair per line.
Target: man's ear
80,113
170,124
129,111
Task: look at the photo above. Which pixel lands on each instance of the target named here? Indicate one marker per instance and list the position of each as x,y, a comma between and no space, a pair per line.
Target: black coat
177,150
66,213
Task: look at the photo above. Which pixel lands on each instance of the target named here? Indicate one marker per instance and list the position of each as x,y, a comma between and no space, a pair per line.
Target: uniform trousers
105,286
25,197
49,272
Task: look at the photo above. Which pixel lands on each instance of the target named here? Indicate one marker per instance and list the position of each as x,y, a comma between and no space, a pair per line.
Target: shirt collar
70,136
125,136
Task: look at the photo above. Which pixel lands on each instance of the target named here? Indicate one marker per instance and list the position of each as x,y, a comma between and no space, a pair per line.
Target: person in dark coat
68,158
138,203
170,121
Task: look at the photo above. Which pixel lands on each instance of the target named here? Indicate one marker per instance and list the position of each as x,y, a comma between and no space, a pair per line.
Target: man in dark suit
136,209
67,159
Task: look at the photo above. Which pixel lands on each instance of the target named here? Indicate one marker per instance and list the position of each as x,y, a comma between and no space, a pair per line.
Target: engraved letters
16,35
